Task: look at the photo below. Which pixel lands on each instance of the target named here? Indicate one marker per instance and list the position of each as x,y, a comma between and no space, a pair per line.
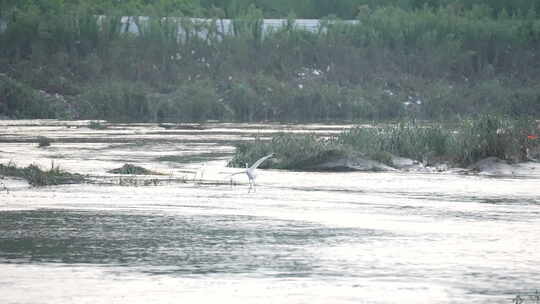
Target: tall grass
492,136
460,144
463,143
406,138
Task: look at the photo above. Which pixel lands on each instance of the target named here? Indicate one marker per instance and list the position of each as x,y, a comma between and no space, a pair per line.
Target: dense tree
344,9
426,59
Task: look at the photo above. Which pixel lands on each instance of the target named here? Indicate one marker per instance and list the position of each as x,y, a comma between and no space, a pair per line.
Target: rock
351,164
492,166
488,166
409,165
403,163
442,167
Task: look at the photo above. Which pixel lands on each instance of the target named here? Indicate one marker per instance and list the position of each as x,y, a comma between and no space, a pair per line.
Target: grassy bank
459,145
60,61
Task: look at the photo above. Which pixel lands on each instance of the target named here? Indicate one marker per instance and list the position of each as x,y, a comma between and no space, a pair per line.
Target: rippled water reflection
301,238
179,244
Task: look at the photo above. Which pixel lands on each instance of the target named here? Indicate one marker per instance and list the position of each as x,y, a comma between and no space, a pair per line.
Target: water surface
301,238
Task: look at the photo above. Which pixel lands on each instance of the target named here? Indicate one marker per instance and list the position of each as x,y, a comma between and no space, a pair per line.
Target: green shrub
193,101
115,101
20,101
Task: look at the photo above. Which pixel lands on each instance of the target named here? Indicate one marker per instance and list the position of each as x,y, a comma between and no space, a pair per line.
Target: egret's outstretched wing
258,162
241,172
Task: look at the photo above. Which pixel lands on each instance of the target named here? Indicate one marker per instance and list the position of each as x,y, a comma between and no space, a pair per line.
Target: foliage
292,151
411,59
21,101
493,136
471,140
406,138
345,9
464,144
114,101
97,125
38,177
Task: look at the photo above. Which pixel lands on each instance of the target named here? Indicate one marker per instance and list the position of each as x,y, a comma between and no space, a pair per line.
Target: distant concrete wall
225,26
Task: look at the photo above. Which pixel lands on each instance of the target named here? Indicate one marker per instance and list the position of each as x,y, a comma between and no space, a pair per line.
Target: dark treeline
310,9
422,59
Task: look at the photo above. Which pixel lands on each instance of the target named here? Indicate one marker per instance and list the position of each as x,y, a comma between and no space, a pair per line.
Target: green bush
193,101
21,101
115,101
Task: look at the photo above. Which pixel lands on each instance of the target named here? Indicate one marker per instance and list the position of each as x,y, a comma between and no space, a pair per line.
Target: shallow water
301,238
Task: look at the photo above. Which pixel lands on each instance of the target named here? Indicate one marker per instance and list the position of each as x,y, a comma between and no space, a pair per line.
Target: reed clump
43,141
292,151
97,125
39,177
133,170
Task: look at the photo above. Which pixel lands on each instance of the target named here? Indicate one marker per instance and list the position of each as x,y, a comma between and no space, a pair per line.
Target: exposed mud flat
303,237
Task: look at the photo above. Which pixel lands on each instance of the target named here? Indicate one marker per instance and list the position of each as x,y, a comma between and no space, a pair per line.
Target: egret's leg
250,185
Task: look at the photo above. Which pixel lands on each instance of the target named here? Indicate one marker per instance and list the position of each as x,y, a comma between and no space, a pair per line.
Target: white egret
250,172
199,174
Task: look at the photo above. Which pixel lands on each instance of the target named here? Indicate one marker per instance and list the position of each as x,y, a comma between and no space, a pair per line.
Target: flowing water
302,237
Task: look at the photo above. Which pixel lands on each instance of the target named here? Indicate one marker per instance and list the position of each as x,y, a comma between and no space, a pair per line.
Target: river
302,237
